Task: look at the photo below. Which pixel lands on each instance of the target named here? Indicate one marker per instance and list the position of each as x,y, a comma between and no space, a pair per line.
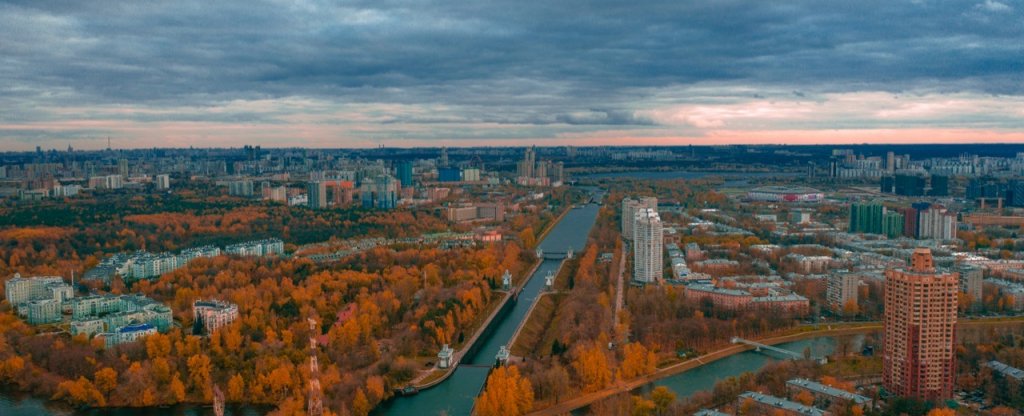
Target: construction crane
315,406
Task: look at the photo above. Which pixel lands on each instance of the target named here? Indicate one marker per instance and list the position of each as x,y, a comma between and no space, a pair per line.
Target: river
703,378
455,396
21,404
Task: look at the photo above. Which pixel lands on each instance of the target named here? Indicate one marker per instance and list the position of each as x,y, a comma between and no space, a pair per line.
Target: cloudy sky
459,73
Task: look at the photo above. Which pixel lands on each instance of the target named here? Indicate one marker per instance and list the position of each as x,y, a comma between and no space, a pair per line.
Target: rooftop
782,404
828,390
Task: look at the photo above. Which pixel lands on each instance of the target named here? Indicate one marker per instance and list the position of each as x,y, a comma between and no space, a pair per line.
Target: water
703,378
18,404
455,395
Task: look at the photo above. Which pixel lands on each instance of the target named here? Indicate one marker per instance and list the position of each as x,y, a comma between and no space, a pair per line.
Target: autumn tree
236,388
637,361
199,375
805,397
105,380
507,393
80,392
662,398
591,367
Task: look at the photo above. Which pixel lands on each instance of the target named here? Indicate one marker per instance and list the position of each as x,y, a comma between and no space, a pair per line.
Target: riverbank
800,333
458,392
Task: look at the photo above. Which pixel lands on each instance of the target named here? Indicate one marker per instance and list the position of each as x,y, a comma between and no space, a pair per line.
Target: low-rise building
129,333
753,403
824,395
42,311
211,315
19,290
266,247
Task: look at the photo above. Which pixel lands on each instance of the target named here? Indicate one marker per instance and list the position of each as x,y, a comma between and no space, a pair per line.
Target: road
620,287
829,330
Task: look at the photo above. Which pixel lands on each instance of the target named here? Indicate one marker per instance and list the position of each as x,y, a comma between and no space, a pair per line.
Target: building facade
648,264
842,290
211,315
919,358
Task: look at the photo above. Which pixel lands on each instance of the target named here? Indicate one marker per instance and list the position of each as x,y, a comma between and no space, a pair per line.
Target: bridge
759,346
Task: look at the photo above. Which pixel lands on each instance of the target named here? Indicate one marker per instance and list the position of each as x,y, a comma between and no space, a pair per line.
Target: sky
403,73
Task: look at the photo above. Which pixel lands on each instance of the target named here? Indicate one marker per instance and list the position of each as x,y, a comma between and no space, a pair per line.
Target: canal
455,395
703,378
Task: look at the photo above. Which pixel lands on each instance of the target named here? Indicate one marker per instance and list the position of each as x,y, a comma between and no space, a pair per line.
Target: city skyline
366,74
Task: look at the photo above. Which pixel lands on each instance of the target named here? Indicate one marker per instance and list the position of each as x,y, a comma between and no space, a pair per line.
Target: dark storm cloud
567,62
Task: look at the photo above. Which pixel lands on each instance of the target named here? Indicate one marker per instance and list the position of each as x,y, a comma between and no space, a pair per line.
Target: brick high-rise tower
919,358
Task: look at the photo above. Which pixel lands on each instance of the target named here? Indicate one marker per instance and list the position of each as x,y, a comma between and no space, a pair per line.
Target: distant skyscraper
404,172
919,358
443,160
938,223
892,224
316,194
940,186
890,162
122,167
888,184
866,218
528,164
449,174
381,192
647,246
909,185
163,182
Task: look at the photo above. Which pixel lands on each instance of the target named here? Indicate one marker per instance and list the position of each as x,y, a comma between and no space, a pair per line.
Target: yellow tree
236,388
106,380
199,375
637,361
507,393
360,404
591,366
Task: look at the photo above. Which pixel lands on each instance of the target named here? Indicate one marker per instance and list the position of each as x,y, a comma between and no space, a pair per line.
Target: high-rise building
842,290
940,185
381,192
529,162
404,172
890,162
240,188
971,280
446,174
647,246
909,221
892,224
122,168
163,182
316,194
866,218
888,185
630,207
909,185
919,358
938,223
